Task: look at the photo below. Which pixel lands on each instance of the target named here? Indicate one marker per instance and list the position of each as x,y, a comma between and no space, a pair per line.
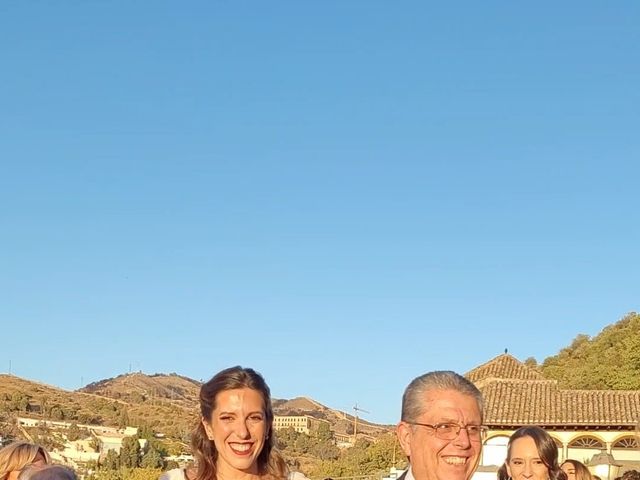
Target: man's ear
404,432
506,464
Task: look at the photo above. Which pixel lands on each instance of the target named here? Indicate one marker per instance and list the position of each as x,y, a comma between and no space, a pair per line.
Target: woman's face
569,469
238,428
524,462
39,461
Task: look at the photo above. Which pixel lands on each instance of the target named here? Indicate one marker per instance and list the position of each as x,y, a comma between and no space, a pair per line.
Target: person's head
531,455
576,470
631,475
18,455
47,472
235,428
441,428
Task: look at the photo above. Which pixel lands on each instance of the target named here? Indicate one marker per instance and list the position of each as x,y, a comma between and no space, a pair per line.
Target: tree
75,433
286,438
130,452
111,461
323,432
152,458
123,418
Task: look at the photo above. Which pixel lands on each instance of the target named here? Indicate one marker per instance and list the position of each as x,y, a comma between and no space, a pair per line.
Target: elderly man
441,429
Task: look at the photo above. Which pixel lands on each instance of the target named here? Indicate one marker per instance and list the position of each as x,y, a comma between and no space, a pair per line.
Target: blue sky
342,195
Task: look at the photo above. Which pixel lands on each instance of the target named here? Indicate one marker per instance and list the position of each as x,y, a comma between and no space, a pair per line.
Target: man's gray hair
413,398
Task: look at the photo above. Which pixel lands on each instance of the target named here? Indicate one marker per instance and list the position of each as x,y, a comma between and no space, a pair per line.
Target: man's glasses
450,431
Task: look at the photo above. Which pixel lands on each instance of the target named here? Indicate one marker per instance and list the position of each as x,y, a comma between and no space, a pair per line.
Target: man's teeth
455,460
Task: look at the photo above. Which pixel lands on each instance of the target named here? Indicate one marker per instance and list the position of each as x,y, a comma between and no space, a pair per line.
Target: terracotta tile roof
503,366
513,398
541,402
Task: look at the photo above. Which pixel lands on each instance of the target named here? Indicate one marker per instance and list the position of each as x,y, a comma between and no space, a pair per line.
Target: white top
178,474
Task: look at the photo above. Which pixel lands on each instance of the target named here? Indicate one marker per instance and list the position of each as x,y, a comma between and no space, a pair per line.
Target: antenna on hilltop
355,421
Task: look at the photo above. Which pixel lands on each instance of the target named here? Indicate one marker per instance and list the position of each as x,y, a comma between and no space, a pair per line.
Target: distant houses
83,450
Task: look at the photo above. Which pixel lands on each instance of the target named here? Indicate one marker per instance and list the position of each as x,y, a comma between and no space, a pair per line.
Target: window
587,442
626,442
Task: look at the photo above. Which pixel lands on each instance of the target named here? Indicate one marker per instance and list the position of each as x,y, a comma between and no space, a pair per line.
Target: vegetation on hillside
317,456
610,360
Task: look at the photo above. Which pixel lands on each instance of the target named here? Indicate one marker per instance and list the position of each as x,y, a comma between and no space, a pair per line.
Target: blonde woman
18,455
576,470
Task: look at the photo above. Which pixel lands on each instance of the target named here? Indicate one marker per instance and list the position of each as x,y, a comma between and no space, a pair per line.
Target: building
300,423
582,422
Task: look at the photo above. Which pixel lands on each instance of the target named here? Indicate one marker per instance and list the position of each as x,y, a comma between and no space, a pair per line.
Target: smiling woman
531,455
576,470
233,438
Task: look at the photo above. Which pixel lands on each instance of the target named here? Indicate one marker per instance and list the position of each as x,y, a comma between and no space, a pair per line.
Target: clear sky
340,194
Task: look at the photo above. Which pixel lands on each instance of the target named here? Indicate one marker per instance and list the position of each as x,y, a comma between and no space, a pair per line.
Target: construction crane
355,421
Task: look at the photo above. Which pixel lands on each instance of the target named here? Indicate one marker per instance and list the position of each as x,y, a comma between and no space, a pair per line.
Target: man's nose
463,440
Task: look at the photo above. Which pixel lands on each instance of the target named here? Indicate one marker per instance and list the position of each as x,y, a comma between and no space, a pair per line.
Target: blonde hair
582,472
18,455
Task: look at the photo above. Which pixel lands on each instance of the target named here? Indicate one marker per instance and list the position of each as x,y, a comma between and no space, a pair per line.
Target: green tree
286,438
608,361
143,474
152,458
130,452
111,461
303,443
323,432
75,433
123,418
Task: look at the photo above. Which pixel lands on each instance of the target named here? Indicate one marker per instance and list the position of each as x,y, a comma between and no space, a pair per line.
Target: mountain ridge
167,403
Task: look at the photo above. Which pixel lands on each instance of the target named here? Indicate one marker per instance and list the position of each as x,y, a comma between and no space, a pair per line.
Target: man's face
434,458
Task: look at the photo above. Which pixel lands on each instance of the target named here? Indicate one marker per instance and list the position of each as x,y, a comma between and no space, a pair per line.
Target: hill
610,360
140,388
24,397
164,403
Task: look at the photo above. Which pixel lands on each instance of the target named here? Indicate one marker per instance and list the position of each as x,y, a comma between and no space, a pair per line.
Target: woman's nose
241,429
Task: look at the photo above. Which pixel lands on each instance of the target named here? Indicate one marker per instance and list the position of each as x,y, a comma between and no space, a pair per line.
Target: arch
494,450
589,442
626,442
499,439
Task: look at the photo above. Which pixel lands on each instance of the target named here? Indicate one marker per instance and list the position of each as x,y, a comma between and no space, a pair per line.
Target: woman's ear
207,428
506,464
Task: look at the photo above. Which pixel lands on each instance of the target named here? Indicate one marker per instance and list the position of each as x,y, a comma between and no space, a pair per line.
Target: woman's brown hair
547,449
270,462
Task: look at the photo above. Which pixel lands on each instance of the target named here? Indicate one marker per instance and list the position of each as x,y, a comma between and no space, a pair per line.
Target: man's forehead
440,401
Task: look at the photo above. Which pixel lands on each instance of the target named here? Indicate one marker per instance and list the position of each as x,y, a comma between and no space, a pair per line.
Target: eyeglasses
450,431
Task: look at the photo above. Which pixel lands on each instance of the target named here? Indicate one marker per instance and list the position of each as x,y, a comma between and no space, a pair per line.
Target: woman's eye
256,418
